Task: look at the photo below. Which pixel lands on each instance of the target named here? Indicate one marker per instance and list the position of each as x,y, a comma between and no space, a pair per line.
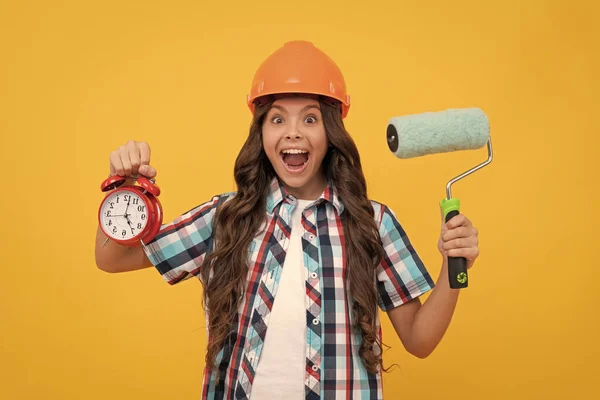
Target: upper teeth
294,151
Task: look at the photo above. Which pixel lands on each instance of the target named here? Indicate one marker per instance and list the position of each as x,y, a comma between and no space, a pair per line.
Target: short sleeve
401,275
179,248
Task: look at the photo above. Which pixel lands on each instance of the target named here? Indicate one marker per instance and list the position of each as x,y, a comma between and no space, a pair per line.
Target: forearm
433,317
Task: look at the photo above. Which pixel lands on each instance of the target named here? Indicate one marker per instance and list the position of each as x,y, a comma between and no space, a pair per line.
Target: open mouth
295,160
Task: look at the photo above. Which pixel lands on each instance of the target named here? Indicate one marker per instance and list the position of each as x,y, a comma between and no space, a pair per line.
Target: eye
277,119
311,119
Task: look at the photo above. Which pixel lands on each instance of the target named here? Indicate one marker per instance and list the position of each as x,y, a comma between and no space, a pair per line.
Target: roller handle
457,266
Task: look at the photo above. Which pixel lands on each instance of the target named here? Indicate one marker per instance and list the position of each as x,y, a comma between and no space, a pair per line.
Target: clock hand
128,200
129,223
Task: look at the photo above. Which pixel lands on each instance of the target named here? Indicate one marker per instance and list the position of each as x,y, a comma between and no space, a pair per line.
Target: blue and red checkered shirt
333,367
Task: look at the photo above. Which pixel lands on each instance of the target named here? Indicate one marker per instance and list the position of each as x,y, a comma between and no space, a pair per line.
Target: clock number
143,217
136,200
126,197
112,205
124,232
117,199
108,213
141,208
109,222
114,229
139,225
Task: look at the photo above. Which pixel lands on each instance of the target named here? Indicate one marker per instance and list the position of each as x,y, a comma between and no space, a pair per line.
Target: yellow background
80,78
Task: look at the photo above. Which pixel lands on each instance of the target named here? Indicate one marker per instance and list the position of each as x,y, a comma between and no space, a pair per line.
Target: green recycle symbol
462,277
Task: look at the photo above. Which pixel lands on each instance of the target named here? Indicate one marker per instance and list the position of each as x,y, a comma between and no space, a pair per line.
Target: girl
295,263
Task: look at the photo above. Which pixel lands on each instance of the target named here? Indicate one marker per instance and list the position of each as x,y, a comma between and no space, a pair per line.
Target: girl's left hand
459,238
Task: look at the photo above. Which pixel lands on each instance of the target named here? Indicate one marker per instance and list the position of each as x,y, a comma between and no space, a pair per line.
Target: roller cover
438,132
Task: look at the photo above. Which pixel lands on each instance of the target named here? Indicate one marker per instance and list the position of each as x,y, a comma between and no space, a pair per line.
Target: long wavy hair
237,222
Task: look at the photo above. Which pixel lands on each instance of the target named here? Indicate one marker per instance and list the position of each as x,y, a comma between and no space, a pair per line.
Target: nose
293,132
293,135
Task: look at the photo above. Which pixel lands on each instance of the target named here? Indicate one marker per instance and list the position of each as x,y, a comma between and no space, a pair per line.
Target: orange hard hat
299,67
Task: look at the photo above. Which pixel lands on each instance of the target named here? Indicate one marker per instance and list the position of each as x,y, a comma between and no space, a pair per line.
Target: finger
458,220
461,231
461,243
145,168
469,253
124,155
148,171
116,166
134,157
467,222
455,221
144,153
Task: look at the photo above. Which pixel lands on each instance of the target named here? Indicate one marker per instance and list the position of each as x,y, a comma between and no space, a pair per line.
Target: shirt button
315,321
313,275
311,237
315,368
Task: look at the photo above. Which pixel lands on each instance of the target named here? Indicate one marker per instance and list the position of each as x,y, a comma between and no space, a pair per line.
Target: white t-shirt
281,370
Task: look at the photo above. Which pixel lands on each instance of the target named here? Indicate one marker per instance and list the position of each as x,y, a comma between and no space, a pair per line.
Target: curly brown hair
238,220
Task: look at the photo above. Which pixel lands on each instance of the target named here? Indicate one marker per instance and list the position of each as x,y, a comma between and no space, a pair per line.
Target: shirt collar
278,193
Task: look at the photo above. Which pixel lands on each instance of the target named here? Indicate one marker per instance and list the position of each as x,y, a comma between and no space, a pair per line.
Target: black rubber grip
457,266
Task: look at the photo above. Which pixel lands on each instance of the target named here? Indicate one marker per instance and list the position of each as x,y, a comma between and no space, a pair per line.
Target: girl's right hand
131,160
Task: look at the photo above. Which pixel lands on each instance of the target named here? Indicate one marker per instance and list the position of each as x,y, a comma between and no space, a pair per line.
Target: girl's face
295,142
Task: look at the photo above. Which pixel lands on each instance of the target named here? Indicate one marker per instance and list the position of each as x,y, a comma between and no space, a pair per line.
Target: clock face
124,215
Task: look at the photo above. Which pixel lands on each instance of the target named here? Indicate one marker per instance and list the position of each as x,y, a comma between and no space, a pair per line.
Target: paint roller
441,132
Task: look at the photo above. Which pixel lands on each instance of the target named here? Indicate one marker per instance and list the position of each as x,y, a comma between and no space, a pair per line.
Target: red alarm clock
130,213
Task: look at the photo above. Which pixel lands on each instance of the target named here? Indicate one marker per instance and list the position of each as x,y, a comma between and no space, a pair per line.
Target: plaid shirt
333,367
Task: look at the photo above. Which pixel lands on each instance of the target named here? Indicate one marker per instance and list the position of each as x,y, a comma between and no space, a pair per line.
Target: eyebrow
304,109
